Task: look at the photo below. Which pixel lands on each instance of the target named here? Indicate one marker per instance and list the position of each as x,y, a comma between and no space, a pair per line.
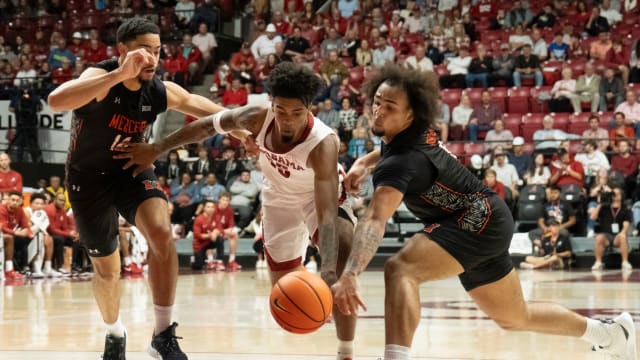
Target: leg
603,103
153,223
503,302
345,324
106,285
599,246
595,98
473,132
484,80
8,250
232,236
575,102
540,262
420,260
516,79
623,244
539,78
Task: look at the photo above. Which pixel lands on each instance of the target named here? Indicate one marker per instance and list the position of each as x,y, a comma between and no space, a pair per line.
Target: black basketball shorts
96,200
484,255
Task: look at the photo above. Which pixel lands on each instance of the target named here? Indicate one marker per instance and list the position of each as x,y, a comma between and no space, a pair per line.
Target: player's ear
122,49
410,115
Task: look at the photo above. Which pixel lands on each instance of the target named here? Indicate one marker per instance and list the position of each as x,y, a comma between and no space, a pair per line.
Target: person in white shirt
518,39
608,12
384,53
539,47
458,67
505,173
184,11
265,44
498,136
26,76
419,61
548,137
592,159
631,110
538,173
460,119
416,22
206,42
39,221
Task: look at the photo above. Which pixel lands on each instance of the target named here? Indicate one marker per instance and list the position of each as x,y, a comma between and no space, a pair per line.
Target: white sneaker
312,266
591,234
526,266
598,266
37,275
627,266
262,264
52,273
623,342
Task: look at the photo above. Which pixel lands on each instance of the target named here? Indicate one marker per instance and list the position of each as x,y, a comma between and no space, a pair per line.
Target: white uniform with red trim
288,198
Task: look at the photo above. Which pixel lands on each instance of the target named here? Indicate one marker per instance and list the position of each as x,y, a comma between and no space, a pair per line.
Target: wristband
216,123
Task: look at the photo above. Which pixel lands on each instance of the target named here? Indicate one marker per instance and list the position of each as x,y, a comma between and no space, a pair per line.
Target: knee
514,323
395,267
158,236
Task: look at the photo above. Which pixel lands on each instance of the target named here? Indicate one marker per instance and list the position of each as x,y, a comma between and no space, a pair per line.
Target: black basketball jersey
434,183
96,126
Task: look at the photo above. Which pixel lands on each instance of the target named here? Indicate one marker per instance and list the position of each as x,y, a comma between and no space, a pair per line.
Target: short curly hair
131,28
292,81
421,88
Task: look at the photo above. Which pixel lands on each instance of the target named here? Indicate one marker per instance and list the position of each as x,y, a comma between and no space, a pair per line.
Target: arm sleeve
397,171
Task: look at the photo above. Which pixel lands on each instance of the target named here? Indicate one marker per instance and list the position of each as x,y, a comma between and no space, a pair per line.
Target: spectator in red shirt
64,73
283,28
627,163
207,235
175,65
77,45
492,183
236,96
484,9
243,56
65,237
10,180
566,171
618,58
227,222
191,54
16,234
94,53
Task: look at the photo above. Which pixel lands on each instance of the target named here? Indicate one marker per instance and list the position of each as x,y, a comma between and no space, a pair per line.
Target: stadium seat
536,105
513,123
561,121
577,67
456,148
356,76
518,100
528,147
575,146
475,95
451,97
441,70
551,71
474,148
530,124
530,207
499,97
578,123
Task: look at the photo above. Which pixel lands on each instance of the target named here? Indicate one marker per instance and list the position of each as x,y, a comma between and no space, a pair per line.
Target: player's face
37,204
390,111
150,42
292,117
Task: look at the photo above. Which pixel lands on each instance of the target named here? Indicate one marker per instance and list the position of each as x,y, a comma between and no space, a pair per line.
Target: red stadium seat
456,149
513,122
530,124
356,76
536,105
577,67
441,70
474,148
518,101
451,97
528,147
578,123
475,95
499,97
551,71
561,121
347,61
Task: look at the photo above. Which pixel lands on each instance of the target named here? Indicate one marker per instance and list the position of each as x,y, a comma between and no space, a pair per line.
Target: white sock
597,333
210,258
47,266
396,352
8,265
116,329
127,261
163,317
232,257
345,350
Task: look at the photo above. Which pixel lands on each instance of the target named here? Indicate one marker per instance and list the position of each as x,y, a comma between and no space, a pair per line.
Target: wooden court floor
226,316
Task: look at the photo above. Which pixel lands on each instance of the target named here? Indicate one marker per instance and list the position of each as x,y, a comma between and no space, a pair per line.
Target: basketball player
467,230
39,221
299,157
111,101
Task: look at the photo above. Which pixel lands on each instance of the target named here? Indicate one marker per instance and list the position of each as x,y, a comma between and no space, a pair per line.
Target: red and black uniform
203,225
461,215
98,187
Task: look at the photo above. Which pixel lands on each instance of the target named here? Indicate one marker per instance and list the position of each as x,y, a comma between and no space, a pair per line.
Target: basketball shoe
114,347
13,275
234,266
164,346
623,338
132,268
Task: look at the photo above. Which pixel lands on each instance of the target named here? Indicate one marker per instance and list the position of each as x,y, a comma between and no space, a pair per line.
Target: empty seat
530,124
536,105
513,123
499,97
518,100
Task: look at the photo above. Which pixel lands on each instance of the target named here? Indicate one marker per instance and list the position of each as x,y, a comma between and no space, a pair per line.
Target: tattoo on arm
366,240
328,243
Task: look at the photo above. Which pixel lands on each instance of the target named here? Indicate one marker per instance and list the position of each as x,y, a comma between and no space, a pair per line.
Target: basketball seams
324,314
297,306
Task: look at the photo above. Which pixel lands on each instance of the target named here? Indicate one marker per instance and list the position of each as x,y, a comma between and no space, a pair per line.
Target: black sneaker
114,347
164,346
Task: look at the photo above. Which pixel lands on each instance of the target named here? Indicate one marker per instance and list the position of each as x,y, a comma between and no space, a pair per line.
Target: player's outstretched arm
323,159
366,240
141,155
94,83
191,104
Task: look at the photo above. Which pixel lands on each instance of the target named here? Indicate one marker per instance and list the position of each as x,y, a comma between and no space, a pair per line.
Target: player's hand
135,61
354,178
141,154
346,296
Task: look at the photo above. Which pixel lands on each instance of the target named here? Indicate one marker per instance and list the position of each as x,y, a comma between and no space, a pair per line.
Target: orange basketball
301,302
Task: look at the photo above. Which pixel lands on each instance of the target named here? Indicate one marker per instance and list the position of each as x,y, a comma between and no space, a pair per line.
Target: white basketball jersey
39,220
288,180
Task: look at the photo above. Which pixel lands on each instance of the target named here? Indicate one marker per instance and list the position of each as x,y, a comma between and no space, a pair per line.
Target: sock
396,352
116,329
163,317
345,350
47,265
127,261
210,258
597,333
8,265
232,257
